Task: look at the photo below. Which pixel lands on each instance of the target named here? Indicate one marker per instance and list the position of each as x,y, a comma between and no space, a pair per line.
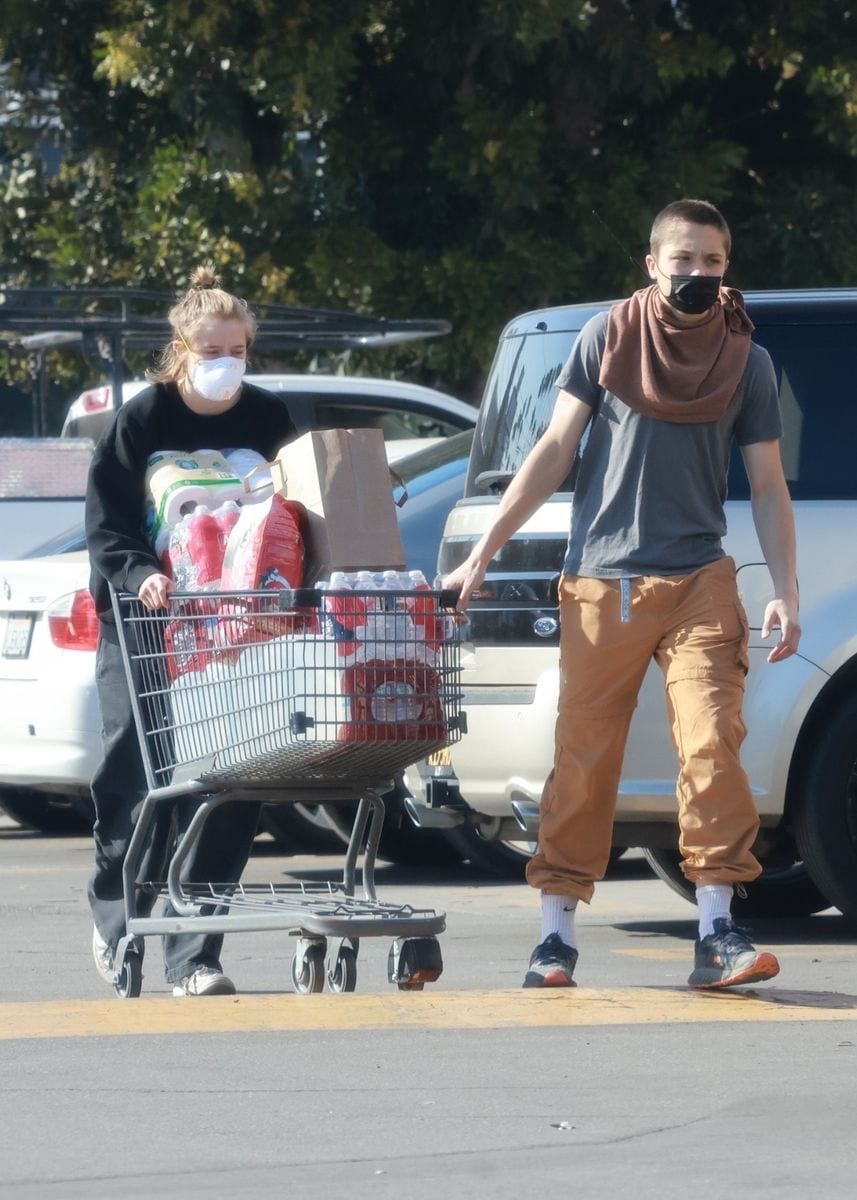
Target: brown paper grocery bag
342,478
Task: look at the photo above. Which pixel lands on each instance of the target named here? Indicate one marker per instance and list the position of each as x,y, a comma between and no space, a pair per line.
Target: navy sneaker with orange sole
552,964
727,958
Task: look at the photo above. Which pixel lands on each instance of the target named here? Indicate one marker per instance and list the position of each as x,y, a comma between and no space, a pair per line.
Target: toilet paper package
177,482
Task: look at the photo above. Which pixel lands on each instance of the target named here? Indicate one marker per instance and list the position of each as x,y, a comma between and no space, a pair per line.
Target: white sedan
50,725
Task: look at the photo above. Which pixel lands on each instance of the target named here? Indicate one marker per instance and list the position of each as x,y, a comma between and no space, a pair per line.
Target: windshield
441,460
518,402
67,542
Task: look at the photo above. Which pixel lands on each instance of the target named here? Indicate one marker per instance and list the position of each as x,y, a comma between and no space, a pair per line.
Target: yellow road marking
395,1010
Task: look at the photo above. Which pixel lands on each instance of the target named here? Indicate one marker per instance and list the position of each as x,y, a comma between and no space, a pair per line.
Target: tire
780,891
43,811
342,972
301,828
402,842
308,978
130,982
503,858
825,817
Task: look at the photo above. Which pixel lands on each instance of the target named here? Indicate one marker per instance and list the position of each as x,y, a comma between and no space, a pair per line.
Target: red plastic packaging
265,547
389,702
424,614
265,551
205,546
344,614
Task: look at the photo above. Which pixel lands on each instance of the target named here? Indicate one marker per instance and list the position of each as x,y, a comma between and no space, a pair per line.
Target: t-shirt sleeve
580,374
760,419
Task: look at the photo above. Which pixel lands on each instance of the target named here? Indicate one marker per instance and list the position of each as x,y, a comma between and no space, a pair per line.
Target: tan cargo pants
695,628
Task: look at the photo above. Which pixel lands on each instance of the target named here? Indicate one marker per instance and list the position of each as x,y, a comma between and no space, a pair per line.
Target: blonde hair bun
205,276
203,300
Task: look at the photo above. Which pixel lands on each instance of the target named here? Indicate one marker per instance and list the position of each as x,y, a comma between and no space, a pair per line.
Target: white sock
714,900
558,917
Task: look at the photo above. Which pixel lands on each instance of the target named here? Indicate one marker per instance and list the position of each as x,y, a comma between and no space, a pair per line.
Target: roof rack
105,321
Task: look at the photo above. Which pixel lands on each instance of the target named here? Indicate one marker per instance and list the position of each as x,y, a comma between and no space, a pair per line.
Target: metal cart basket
292,695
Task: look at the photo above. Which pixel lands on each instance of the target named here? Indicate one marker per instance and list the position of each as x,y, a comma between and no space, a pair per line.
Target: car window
440,461
816,369
395,423
68,542
518,402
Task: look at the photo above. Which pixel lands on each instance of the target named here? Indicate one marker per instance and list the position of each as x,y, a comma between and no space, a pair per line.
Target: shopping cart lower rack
285,696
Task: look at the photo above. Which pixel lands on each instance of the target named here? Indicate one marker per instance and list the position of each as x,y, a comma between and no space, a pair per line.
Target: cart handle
313,598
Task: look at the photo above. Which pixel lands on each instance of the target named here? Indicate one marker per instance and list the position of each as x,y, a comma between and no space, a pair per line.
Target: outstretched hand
783,615
466,579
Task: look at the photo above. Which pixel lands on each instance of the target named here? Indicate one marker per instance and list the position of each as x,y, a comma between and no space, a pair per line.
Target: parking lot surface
472,1087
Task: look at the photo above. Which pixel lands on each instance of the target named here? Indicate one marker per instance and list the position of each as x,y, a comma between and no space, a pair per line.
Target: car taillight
95,399
73,622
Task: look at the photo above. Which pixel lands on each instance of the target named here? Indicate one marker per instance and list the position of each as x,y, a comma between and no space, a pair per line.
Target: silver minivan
801,748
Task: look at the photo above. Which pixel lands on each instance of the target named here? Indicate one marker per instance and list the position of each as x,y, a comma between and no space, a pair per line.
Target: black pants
118,790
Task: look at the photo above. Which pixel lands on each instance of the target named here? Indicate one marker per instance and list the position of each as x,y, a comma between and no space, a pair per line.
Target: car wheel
780,891
402,842
826,817
507,858
301,828
43,811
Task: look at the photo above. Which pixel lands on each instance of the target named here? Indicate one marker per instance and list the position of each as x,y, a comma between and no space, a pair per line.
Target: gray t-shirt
649,494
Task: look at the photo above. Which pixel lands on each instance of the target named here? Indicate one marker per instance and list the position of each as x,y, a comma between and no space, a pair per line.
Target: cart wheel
342,974
308,968
413,962
129,983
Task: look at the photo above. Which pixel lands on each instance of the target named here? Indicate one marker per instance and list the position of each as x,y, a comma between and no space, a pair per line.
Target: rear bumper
48,740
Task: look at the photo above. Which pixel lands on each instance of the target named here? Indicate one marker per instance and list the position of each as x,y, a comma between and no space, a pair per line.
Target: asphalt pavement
472,1088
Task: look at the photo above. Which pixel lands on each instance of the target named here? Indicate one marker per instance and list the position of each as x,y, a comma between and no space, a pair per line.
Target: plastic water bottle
205,548
226,517
423,611
177,560
345,614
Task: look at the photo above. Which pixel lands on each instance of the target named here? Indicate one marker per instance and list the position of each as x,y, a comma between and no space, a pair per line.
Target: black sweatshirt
158,419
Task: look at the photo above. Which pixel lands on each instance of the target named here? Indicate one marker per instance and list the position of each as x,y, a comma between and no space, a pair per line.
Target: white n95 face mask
217,379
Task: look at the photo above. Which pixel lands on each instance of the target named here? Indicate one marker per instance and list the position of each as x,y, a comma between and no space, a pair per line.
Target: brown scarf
671,371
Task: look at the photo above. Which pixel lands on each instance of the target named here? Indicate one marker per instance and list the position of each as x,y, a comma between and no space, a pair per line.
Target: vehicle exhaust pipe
527,816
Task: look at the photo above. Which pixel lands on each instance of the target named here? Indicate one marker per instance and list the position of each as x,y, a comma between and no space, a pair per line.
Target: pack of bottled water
387,616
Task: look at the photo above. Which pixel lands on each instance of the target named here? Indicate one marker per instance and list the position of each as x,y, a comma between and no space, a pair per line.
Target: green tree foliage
423,159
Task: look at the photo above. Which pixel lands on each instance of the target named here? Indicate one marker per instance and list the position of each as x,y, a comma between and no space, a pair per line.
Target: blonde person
197,400
666,381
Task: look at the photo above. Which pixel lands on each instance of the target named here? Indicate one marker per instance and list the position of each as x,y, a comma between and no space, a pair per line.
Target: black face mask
694,294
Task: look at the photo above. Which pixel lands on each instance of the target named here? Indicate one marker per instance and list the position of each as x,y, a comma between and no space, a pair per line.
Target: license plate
19,634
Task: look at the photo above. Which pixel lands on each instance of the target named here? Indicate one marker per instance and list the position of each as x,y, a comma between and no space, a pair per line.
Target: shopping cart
283,696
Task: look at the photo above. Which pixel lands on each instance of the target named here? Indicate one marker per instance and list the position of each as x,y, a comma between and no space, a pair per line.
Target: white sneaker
102,955
205,981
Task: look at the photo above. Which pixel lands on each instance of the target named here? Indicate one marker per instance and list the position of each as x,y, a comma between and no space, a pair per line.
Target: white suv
801,748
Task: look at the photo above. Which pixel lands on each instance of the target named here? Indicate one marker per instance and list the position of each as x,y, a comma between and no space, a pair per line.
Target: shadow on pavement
795,999
823,929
